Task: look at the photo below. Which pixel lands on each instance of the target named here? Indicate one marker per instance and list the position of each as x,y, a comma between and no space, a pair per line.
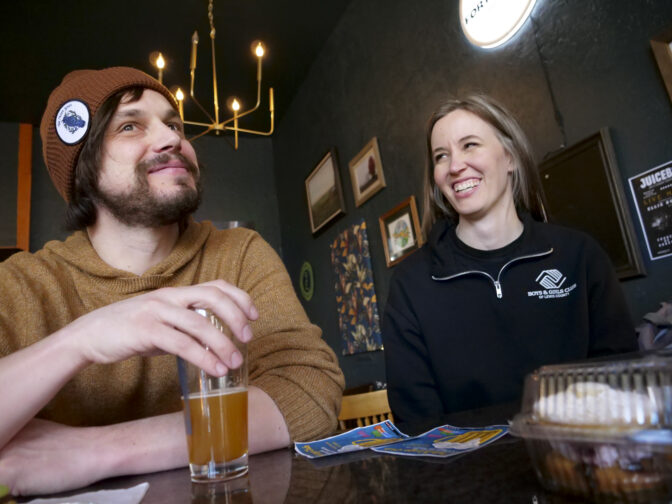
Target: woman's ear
511,163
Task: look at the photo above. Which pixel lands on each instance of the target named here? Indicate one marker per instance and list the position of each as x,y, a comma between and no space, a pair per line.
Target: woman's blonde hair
526,185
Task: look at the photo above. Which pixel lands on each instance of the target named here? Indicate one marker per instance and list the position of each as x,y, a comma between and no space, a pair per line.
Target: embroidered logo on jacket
552,281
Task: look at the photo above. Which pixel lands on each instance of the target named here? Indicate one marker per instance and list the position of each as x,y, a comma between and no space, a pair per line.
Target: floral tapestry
358,319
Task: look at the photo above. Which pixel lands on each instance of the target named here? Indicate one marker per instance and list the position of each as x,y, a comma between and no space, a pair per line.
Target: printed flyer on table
384,437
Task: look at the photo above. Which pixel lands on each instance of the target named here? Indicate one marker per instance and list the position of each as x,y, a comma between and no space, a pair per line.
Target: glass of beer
215,416
235,491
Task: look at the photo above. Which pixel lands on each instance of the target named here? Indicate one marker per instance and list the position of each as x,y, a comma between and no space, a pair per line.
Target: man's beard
142,208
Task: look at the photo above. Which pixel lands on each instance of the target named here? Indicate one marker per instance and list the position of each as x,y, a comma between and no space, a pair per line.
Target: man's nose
166,138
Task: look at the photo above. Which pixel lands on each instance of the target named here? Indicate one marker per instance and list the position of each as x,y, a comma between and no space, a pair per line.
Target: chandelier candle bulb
160,64
235,105
259,52
179,95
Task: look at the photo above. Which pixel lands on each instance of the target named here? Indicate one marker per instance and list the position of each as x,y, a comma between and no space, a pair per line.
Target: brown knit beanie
70,108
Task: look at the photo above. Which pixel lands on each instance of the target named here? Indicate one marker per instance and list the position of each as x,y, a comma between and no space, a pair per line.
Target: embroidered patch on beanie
72,121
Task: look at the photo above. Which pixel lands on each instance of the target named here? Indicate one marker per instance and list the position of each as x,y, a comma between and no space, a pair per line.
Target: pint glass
215,417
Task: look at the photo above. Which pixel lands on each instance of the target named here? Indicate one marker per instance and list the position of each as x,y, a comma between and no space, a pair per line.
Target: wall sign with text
490,23
652,192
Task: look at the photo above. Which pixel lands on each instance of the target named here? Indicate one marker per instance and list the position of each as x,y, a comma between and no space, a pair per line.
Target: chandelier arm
204,132
202,109
246,112
238,116
253,132
192,75
214,76
256,106
203,125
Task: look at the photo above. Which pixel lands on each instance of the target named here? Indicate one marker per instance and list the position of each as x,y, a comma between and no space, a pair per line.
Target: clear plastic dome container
602,429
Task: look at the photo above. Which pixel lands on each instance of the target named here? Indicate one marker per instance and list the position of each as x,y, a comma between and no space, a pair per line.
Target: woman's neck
491,232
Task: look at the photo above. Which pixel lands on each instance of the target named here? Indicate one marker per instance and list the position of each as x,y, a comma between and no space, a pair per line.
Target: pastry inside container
601,429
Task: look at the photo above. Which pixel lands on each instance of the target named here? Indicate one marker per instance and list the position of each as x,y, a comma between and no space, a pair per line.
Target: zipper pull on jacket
498,288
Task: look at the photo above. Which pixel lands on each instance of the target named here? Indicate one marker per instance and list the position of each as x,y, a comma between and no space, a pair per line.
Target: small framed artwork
324,193
662,50
366,172
400,228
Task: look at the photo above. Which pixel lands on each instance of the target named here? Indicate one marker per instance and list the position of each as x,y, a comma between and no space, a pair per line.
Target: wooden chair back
359,410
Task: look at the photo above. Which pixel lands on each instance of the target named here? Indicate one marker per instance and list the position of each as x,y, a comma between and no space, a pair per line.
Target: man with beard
89,326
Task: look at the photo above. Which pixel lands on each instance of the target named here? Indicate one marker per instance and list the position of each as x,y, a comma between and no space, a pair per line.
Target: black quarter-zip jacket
462,327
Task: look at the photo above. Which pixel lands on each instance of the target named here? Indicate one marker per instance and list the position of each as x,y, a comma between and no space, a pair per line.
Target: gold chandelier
230,124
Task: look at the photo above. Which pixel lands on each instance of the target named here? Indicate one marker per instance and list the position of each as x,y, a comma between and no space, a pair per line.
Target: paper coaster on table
131,495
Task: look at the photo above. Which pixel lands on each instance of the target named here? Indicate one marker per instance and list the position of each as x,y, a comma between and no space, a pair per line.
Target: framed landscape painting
366,172
323,192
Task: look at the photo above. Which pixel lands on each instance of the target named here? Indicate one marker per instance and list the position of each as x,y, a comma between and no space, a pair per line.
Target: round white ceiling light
490,23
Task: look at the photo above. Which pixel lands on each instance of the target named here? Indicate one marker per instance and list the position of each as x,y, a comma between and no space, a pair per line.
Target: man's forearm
30,377
267,428
145,445
46,457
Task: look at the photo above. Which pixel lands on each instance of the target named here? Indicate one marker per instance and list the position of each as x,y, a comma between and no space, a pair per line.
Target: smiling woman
472,170
495,292
465,120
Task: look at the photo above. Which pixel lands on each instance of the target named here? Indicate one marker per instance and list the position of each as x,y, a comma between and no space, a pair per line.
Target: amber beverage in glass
215,417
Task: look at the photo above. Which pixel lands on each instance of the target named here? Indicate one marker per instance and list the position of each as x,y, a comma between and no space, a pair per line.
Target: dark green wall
577,66
47,208
9,147
239,185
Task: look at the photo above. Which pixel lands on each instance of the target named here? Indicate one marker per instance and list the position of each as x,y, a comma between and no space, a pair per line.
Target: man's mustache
144,166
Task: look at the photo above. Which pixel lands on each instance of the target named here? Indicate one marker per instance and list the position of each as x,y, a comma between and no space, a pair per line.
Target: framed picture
584,191
324,193
366,172
662,50
400,228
